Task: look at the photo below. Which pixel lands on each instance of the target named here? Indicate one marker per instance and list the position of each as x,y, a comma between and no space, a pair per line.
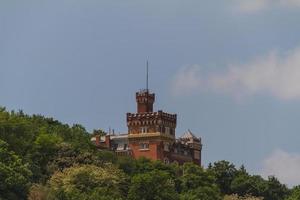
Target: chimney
107,141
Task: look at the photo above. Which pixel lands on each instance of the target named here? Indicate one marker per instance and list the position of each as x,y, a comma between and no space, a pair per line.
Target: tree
275,190
68,156
295,194
249,185
224,172
98,132
44,150
196,183
152,185
236,197
127,164
88,182
14,175
203,193
38,192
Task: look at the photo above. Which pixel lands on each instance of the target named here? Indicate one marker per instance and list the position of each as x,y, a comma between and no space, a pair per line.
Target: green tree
294,194
249,185
196,183
38,192
68,156
88,182
236,197
127,164
275,190
153,185
203,193
14,175
44,150
224,172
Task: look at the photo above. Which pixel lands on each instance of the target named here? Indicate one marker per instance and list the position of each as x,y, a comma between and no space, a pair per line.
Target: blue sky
229,69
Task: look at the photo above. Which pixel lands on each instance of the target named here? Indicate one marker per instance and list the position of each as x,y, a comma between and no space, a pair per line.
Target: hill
42,158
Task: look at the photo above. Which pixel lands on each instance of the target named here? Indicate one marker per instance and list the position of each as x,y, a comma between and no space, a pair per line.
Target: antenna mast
147,76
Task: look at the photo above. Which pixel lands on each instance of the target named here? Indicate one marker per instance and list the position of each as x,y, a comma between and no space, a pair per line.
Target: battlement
144,92
145,101
156,115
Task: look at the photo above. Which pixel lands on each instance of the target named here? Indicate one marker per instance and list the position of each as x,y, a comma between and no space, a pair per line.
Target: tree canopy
44,159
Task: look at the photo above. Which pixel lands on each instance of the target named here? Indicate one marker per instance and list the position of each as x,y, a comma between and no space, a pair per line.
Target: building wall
154,151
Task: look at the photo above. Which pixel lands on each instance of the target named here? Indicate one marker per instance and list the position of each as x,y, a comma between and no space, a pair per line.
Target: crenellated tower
145,101
150,133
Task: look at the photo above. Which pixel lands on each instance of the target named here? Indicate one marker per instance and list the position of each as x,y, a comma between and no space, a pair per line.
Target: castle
152,135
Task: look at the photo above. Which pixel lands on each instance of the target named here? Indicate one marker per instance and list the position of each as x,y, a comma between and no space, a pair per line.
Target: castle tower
145,101
150,133
195,145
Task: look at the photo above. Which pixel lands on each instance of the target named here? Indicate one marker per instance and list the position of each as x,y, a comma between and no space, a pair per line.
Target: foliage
275,190
38,192
236,197
14,175
88,182
224,172
66,165
252,185
196,183
295,194
203,193
152,185
67,157
98,132
270,189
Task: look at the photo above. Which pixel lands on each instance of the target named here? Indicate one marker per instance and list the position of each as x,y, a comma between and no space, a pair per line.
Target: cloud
274,74
285,166
187,80
250,6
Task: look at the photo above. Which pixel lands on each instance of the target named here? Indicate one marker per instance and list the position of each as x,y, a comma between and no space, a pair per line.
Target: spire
144,98
147,76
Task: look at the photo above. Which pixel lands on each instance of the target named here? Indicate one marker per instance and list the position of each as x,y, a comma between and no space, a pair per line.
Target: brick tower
150,134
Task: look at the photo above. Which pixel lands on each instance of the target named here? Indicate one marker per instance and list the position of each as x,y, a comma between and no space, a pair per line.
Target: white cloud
187,80
273,74
250,6
285,166
276,75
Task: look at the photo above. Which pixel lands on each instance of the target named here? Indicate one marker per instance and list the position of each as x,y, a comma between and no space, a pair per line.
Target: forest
44,159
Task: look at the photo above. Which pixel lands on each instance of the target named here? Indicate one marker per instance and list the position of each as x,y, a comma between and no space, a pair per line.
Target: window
144,129
166,147
167,130
144,146
125,147
166,161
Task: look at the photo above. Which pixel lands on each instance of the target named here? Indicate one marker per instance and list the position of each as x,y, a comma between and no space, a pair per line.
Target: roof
189,135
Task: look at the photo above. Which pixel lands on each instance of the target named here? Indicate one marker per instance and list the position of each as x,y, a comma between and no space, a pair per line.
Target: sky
230,69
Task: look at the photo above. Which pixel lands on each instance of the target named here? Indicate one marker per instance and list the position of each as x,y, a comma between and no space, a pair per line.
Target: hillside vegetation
44,159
